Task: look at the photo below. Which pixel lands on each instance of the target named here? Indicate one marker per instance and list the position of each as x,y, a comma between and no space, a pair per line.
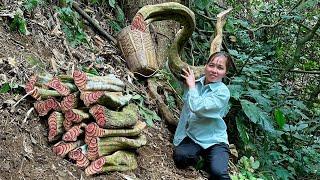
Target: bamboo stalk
55,122
79,155
43,107
118,161
62,148
107,118
72,134
105,146
93,130
86,82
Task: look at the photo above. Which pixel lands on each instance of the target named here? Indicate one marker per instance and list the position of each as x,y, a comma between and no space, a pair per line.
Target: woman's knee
219,173
180,157
183,158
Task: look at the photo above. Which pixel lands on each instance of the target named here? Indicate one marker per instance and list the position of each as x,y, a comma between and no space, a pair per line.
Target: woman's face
216,69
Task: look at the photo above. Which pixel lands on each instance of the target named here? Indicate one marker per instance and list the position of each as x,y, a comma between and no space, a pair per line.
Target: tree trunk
163,31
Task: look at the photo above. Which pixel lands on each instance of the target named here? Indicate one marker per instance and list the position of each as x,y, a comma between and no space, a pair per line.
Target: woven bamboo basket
138,50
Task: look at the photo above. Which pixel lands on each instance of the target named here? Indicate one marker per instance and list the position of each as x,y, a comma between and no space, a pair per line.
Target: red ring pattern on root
62,148
138,23
30,86
57,85
73,117
72,134
95,167
80,79
67,124
98,112
52,122
89,97
92,130
81,160
93,149
68,102
43,107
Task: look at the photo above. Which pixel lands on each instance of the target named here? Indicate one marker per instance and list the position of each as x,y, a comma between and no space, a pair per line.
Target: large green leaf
260,99
235,91
257,115
279,117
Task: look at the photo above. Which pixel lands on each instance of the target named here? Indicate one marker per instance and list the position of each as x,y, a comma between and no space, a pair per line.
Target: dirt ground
24,149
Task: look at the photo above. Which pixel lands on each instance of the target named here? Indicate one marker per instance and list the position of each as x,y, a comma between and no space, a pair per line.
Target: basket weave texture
138,50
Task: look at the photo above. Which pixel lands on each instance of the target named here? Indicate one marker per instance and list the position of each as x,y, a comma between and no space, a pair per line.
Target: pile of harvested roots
90,120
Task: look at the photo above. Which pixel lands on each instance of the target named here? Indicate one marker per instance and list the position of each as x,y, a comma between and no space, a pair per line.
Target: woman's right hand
189,77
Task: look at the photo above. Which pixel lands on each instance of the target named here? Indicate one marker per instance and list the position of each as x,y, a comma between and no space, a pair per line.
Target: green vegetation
72,26
19,23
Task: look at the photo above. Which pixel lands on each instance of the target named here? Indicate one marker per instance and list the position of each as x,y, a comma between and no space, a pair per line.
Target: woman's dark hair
229,62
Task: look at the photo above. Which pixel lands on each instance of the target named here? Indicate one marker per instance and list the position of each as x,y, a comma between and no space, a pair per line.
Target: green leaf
120,14
257,95
242,130
136,97
112,3
148,115
282,173
279,117
255,164
114,25
5,88
256,115
201,4
235,91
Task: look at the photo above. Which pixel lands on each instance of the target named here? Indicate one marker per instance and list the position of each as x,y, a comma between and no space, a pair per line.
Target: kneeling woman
201,129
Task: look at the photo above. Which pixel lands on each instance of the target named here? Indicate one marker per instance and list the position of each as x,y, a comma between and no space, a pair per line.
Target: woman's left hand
189,77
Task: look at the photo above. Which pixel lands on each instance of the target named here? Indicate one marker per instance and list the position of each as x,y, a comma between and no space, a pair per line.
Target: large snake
170,11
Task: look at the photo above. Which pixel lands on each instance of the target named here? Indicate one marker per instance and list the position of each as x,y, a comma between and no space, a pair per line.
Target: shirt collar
212,85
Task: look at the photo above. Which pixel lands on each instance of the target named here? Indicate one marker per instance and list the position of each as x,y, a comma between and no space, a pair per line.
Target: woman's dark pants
187,153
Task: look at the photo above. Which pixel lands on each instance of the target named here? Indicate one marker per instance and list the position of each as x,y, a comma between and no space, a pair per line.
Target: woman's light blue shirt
202,113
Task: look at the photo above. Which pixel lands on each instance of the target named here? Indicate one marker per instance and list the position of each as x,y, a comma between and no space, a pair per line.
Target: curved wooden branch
94,24
170,11
163,108
216,43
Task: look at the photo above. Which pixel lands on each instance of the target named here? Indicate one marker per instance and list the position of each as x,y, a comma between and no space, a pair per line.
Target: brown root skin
163,108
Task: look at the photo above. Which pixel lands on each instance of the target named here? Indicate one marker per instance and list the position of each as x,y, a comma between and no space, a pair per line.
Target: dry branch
216,43
93,23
